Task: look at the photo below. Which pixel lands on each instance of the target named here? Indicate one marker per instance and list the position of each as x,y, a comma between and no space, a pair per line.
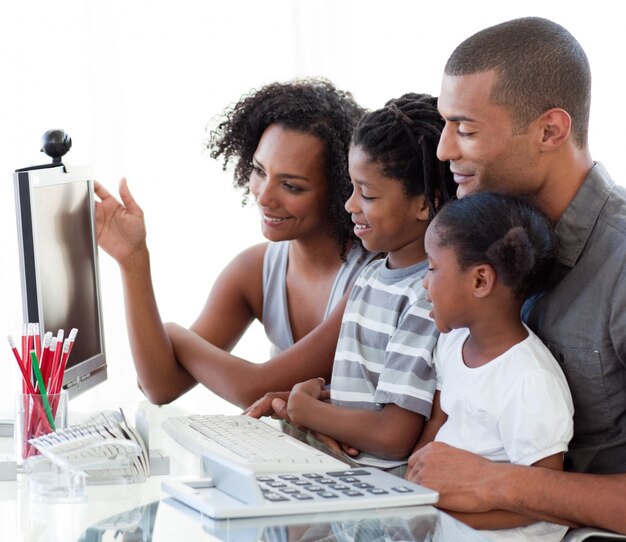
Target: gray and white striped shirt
386,341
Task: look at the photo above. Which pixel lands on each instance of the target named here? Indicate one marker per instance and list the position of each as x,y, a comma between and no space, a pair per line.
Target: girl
289,144
501,393
382,383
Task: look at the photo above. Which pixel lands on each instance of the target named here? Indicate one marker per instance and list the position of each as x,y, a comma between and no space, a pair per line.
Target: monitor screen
59,265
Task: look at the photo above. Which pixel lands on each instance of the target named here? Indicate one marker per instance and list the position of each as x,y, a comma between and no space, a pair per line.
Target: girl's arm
437,418
495,519
389,433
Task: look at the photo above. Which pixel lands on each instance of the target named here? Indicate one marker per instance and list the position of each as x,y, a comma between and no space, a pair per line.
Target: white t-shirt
516,408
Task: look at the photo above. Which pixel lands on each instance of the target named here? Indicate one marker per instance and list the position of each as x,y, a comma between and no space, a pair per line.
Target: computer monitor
59,265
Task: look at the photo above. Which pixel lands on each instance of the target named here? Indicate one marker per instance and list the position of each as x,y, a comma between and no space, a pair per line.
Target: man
516,99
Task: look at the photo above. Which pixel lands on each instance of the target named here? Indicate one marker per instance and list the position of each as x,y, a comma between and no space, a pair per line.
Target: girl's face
385,218
289,184
445,283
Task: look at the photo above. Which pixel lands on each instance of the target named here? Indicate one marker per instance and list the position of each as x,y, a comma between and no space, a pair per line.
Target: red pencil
59,348
26,382
59,370
37,339
24,341
46,357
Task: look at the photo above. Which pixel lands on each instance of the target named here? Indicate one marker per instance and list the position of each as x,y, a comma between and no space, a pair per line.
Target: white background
134,83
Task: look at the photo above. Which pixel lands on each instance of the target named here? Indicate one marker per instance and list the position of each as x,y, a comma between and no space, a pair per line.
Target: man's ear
483,280
556,126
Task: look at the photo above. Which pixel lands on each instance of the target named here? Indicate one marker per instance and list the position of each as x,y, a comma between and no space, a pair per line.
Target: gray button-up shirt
582,319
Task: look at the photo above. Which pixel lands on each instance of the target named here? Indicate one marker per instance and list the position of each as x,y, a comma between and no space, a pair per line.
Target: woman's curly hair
312,106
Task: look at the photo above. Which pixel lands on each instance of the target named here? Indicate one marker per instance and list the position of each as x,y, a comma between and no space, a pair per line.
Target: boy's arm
389,433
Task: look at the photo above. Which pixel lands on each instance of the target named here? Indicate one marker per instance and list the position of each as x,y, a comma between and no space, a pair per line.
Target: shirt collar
575,226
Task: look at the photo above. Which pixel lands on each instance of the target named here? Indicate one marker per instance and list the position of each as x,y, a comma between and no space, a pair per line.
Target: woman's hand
120,227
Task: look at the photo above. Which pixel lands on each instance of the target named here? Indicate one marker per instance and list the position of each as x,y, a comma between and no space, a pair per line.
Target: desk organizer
108,452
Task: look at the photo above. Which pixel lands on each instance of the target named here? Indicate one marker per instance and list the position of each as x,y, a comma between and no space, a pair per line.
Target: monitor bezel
86,374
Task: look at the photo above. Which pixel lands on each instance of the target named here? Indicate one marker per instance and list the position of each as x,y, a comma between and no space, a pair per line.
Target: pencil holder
37,415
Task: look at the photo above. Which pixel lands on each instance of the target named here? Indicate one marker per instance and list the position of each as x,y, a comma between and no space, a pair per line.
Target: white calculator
232,491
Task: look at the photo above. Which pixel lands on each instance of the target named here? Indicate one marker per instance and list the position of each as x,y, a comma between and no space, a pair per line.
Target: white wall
135,81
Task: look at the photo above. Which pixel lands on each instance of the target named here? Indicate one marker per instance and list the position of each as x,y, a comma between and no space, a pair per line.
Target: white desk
142,512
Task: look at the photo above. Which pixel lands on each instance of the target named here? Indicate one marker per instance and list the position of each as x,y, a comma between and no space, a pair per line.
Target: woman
289,143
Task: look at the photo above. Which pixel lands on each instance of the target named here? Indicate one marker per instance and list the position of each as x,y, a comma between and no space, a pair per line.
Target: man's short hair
539,64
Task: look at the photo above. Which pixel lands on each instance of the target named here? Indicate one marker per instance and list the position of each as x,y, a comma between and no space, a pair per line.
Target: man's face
479,141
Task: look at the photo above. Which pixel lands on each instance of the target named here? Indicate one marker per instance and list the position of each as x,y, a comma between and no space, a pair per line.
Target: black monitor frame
81,374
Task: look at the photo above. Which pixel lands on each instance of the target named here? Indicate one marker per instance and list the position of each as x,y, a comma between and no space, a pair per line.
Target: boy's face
445,284
385,218
479,139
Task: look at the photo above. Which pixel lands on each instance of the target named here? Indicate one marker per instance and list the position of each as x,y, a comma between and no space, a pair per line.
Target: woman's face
289,183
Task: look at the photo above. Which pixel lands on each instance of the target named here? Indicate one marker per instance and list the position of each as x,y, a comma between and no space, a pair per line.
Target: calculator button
402,489
339,487
302,496
352,493
328,495
314,489
377,491
276,484
356,472
288,477
363,485
349,479
312,475
289,490
265,478
275,497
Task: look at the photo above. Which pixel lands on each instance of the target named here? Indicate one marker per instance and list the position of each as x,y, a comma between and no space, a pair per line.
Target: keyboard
249,442
233,491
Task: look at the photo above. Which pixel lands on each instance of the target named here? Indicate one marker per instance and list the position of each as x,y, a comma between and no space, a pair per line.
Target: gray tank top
275,311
